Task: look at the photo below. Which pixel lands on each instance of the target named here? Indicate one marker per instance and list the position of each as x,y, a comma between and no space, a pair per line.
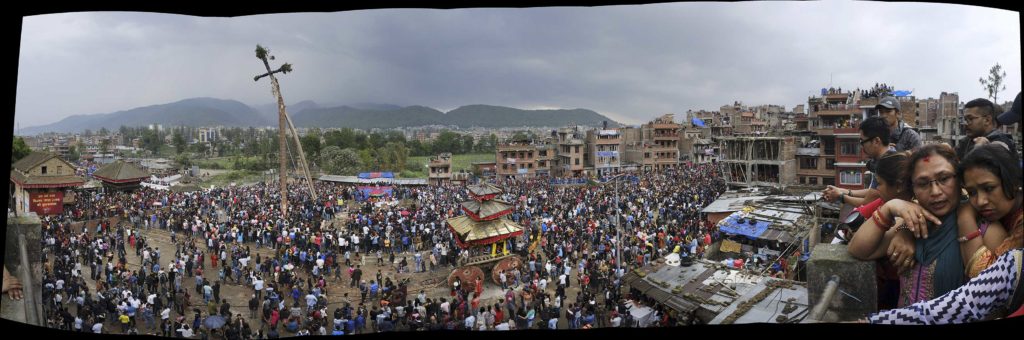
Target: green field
459,162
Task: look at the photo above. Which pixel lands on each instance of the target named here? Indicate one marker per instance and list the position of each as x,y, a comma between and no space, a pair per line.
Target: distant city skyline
631,63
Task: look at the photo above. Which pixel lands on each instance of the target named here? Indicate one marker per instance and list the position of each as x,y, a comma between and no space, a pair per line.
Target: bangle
849,192
880,222
970,236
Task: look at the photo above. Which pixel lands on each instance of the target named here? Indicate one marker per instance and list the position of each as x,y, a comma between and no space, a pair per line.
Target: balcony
808,152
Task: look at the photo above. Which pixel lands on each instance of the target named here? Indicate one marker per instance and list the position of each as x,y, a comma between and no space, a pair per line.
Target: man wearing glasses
980,125
874,142
906,139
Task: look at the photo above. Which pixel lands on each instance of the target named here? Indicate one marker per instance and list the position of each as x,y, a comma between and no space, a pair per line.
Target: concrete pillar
25,265
857,295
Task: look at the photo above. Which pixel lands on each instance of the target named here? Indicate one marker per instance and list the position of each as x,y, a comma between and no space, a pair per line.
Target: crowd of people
303,273
944,224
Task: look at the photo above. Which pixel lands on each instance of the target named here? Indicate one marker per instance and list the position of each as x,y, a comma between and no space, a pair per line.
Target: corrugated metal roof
730,204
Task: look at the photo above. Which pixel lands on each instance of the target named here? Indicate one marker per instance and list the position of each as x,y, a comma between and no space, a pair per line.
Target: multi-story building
546,156
571,155
515,159
664,142
603,148
440,169
759,161
831,155
927,118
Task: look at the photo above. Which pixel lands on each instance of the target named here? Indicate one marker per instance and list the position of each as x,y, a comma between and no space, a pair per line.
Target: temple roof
120,172
469,232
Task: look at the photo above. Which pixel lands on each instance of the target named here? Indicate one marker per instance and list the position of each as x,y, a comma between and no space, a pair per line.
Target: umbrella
405,213
288,266
214,322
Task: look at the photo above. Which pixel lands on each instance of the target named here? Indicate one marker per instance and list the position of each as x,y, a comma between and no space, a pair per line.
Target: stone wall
29,226
856,279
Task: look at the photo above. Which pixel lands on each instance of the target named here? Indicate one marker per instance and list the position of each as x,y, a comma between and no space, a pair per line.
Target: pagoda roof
472,233
119,172
484,189
486,210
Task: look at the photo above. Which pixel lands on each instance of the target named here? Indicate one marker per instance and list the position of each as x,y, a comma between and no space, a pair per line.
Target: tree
183,160
467,143
105,145
19,149
337,161
151,140
994,82
179,142
104,131
73,154
311,144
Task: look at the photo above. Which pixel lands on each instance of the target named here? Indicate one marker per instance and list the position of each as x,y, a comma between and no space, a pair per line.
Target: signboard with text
46,203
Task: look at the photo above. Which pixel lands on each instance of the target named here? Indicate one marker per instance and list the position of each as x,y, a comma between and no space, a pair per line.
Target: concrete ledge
856,279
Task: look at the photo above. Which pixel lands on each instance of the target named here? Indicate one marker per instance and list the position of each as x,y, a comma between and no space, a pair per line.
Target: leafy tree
19,149
183,160
104,131
179,142
467,143
73,154
311,144
447,141
151,140
994,83
104,145
337,161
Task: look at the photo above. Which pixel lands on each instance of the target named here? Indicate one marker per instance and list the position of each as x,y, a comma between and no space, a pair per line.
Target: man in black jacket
980,125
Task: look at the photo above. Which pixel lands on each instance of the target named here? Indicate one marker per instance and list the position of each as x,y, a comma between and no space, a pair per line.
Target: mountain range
307,113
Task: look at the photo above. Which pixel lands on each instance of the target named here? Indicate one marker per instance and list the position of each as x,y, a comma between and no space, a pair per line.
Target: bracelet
970,236
879,221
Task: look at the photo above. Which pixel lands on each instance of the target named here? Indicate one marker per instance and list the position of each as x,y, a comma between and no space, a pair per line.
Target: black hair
941,149
876,127
891,166
987,108
999,161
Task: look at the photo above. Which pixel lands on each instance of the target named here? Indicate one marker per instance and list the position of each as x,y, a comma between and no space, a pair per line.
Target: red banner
46,203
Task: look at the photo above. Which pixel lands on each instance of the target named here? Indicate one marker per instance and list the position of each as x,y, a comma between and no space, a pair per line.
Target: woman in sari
937,265
991,175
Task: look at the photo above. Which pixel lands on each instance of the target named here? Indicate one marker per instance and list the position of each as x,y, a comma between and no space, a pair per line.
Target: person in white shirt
501,326
470,321
186,332
97,328
616,321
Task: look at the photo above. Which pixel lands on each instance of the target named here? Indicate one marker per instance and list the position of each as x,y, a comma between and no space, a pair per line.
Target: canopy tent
372,175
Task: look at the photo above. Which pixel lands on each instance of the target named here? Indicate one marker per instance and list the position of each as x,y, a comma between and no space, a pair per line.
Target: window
504,167
850,178
577,161
530,165
830,164
577,149
60,169
808,163
812,180
828,181
43,170
849,148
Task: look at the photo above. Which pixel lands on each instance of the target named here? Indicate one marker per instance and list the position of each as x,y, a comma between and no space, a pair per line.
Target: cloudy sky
631,63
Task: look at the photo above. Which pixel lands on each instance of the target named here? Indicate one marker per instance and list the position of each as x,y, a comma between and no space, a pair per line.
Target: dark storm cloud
631,63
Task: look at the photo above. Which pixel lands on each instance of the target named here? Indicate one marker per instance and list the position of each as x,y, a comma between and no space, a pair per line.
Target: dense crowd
92,282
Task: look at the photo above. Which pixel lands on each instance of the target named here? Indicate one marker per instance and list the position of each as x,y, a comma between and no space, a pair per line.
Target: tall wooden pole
261,53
